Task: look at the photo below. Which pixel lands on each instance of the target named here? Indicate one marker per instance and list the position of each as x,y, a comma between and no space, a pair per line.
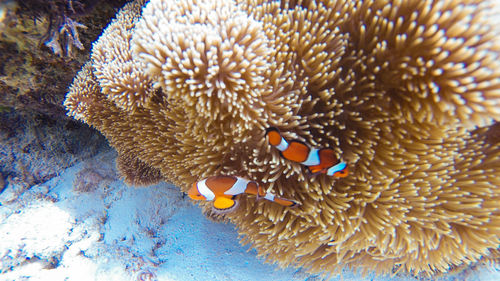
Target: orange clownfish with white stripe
317,160
224,189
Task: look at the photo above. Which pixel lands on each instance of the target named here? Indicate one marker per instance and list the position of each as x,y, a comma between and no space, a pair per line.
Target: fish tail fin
282,201
285,202
343,173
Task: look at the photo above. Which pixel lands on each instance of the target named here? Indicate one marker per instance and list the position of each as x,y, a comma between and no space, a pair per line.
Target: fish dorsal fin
222,203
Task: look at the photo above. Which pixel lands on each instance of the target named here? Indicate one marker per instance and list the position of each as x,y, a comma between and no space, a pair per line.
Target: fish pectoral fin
222,203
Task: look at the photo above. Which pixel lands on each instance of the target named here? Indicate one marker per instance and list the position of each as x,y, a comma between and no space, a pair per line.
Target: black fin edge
272,129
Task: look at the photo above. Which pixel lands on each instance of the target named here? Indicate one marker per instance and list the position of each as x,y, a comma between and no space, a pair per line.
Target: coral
407,92
32,78
68,27
62,27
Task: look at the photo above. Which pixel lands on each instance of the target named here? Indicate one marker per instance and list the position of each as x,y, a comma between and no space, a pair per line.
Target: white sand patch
38,231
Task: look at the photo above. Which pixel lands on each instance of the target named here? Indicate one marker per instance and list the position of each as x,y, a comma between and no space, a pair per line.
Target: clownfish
224,189
317,160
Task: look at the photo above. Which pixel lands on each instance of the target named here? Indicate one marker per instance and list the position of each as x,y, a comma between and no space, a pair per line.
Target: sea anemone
407,92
